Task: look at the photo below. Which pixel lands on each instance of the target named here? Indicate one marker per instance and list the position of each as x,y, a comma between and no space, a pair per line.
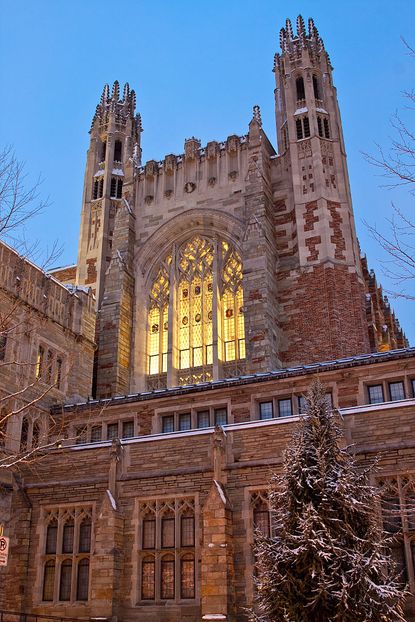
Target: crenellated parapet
384,329
197,171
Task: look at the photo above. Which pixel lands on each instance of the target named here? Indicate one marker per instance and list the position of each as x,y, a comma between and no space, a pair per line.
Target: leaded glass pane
261,519
203,419
148,579
48,581
85,536
221,416
266,410
112,431
67,537
187,530
397,391
167,578
185,422
285,408
376,394
167,424
167,532
149,533
82,582
187,577
96,434
127,429
51,538
65,582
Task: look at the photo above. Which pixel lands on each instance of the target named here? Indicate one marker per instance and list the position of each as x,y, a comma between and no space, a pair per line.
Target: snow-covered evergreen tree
327,559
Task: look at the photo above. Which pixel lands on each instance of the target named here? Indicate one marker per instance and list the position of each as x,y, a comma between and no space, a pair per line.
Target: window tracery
206,312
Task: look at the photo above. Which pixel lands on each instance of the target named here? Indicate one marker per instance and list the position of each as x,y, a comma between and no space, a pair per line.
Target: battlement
72,308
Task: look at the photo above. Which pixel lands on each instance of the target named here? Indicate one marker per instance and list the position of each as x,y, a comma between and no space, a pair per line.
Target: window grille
306,124
221,416
148,578
65,580
48,580
96,433
149,533
167,532
67,539
185,421
320,127
112,431
203,419
187,576
85,536
82,580
266,410
285,408
127,429
168,424
299,129
167,577
326,128
376,394
51,538
397,391
187,530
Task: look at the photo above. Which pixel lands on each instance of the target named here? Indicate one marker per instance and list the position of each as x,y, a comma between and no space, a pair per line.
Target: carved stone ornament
151,169
149,199
232,144
211,181
189,187
169,164
304,149
191,148
168,194
212,150
233,175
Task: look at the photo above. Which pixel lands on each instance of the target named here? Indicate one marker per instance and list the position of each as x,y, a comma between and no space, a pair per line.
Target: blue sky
197,68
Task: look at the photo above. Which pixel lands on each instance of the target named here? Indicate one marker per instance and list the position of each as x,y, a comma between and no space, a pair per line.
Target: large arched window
196,325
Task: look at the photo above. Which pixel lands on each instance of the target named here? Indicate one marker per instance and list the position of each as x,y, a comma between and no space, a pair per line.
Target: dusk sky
198,68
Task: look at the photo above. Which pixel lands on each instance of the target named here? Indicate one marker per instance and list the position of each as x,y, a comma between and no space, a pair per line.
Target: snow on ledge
214,616
112,500
301,110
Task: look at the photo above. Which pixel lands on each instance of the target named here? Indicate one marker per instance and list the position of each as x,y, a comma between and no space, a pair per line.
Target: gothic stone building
215,285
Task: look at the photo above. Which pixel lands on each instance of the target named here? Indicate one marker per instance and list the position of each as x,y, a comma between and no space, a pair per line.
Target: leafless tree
397,165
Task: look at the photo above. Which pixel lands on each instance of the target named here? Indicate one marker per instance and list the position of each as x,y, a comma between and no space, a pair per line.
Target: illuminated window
209,308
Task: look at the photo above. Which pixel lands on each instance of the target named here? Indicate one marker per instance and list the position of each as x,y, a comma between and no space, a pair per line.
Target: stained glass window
209,309
148,582
167,577
187,576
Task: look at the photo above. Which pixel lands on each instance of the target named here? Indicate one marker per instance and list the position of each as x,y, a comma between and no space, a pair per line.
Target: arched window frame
300,90
65,579
48,582
82,579
189,337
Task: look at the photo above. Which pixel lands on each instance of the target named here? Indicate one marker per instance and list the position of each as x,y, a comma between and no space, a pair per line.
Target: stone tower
114,145
321,285
106,243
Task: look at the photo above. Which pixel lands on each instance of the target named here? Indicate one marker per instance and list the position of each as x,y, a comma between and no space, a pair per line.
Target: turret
112,157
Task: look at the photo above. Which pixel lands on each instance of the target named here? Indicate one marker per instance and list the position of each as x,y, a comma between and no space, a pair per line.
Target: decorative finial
301,28
257,115
289,29
126,92
115,95
283,37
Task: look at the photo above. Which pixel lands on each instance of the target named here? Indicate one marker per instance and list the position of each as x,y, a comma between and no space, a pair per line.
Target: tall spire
112,104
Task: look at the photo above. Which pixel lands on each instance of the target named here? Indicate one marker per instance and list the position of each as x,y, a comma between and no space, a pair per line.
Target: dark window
65,582
67,538
112,431
95,189
398,556
221,416
299,128
127,429
266,410
149,533
117,150
148,583
320,126
103,150
58,374
413,387
285,408
299,83
24,434
167,577
82,581
392,522
187,535
85,536
113,192
119,189
187,576
96,433
261,518
329,400
306,123
203,419
185,422
302,404
167,424
397,391
3,342
316,87
376,394
326,128
167,532
51,538
48,580
100,188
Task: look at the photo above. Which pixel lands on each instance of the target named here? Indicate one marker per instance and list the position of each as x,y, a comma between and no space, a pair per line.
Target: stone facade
211,287
218,475
287,215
